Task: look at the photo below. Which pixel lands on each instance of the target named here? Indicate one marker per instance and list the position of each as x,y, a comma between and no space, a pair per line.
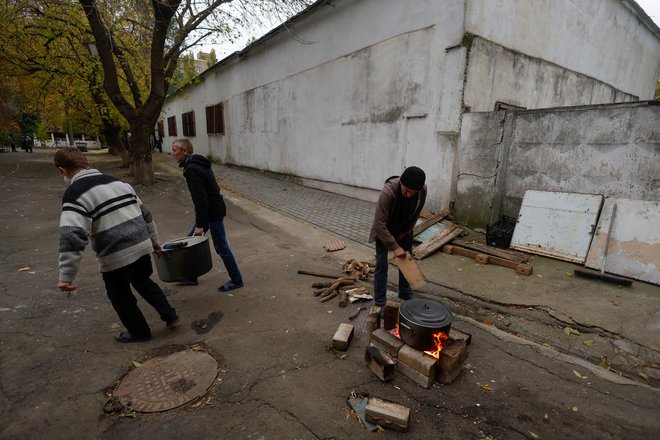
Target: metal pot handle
404,325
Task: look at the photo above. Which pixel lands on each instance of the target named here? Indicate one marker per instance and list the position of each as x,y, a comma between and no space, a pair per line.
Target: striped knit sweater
107,211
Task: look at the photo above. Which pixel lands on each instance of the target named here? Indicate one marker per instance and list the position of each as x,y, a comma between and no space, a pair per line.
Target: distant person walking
399,204
210,208
108,212
27,144
12,144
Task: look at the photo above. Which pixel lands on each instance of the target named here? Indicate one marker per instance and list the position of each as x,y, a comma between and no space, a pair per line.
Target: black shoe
172,323
406,296
127,337
188,283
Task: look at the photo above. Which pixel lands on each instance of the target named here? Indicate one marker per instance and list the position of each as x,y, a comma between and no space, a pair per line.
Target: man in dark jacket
108,212
397,211
210,208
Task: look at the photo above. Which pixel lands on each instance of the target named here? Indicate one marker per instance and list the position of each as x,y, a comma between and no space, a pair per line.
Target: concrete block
372,321
342,338
391,315
387,342
415,376
452,356
387,414
418,360
458,335
446,377
380,363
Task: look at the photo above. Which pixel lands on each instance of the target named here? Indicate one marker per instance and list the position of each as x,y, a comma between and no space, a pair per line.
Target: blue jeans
380,274
221,247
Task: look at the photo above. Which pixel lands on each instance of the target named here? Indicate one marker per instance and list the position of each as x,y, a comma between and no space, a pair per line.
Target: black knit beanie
413,178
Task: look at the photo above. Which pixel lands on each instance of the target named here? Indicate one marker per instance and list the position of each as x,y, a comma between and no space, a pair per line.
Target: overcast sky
651,7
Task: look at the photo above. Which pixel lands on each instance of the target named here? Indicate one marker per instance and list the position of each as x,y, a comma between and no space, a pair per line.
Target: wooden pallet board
521,268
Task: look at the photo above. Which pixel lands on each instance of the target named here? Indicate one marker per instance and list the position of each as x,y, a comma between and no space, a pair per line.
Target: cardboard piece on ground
410,271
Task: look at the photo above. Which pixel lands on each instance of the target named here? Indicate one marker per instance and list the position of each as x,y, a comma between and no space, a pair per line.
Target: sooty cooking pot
183,258
420,319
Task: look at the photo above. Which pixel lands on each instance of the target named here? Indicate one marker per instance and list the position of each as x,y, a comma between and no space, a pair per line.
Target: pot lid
425,313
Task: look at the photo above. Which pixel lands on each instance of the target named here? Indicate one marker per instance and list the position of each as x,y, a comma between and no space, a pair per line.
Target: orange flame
440,340
395,331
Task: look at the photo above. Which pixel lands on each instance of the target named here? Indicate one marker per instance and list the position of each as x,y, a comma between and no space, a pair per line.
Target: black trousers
118,286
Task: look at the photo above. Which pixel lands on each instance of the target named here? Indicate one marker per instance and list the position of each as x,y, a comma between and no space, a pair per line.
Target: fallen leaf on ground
577,373
24,269
574,409
488,322
136,364
643,376
486,387
571,331
533,434
588,343
546,418
569,274
604,362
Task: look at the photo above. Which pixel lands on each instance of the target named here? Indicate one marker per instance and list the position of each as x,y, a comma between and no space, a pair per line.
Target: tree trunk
142,165
112,134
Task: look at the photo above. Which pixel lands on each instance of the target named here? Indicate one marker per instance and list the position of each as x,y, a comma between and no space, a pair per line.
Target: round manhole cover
167,382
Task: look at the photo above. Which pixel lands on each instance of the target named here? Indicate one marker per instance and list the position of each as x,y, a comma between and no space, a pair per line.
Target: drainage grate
167,382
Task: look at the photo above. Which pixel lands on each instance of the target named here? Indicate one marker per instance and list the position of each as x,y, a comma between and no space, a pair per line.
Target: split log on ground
342,338
329,297
387,414
380,363
429,246
343,299
518,257
344,282
318,274
430,222
357,312
334,286
523,269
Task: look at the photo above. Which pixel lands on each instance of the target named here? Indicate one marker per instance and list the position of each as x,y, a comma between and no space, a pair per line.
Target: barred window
188,122
171,126
215,119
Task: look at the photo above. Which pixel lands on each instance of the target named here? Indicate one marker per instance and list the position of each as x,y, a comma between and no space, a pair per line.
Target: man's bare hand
399,252
199,231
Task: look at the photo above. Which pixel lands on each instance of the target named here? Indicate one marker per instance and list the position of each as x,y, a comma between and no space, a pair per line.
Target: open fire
439,339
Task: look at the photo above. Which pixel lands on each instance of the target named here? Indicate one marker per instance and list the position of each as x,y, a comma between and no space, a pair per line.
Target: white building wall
354,99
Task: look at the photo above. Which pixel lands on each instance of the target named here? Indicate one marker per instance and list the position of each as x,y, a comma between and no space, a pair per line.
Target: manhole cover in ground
167,382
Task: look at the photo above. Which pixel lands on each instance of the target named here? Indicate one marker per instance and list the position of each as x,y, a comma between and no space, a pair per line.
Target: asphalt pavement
561,357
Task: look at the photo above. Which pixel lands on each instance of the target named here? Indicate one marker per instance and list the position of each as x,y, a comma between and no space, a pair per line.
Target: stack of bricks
416,365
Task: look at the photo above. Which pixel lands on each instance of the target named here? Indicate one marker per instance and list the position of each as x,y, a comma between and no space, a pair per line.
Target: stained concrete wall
365,88
601,39
613,150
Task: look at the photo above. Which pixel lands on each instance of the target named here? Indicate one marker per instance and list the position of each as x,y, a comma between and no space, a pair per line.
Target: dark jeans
221,247
380,274
118,286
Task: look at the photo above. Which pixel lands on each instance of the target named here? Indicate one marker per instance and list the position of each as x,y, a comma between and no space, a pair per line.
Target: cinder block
380,363
372,322
459,335
446,377
414,375
391,315
418,360
387,414
342,337
452,356
387,342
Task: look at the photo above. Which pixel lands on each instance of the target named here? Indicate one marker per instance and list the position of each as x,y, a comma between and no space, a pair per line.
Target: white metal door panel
557,224
634,248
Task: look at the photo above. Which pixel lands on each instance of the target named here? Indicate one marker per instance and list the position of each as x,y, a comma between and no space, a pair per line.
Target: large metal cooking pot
183,258
420,319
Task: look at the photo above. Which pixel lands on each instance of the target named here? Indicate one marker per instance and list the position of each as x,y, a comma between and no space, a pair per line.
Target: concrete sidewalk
630,312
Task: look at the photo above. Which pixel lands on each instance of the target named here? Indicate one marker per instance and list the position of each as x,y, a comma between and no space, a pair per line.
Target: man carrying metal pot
108,212
399,204
210,208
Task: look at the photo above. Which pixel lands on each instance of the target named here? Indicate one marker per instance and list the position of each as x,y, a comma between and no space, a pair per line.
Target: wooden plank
523,269
518,257
410,271
428,247
430,221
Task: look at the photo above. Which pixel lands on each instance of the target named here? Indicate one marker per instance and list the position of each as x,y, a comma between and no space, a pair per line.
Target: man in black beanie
397,211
